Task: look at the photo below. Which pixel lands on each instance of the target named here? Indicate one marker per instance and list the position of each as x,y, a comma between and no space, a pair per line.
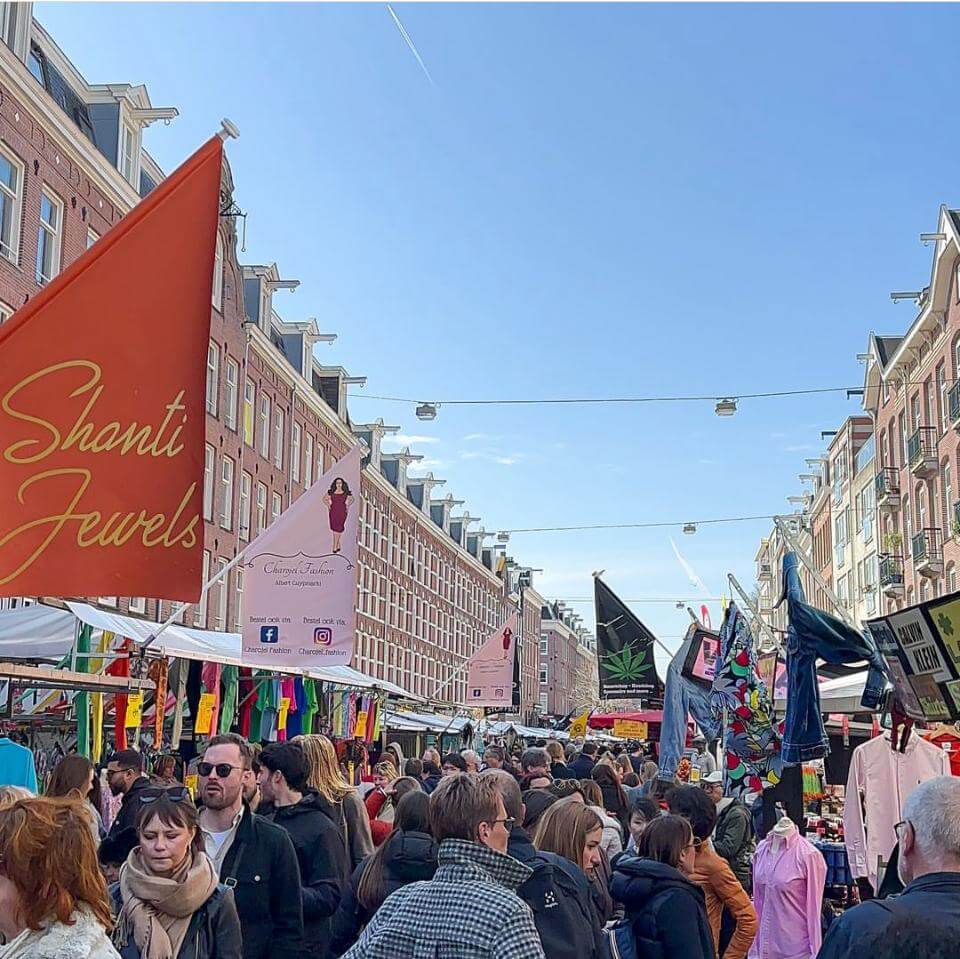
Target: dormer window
128,159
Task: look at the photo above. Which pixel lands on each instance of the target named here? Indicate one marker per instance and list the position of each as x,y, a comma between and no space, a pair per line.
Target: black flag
624,650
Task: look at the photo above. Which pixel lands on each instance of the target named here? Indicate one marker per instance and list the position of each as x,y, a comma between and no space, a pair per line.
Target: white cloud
428,463
476,437
492,456
409,439
504,460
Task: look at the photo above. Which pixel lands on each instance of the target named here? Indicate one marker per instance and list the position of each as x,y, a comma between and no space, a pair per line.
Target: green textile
260,679
81,702
310,713
228,705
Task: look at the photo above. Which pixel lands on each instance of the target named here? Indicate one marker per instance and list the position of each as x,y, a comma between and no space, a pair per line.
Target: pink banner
490,669
300,577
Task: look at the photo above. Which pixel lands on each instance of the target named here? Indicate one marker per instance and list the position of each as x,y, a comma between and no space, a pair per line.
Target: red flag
102,380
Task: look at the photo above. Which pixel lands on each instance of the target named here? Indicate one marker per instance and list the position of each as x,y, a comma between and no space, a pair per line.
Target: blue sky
588,200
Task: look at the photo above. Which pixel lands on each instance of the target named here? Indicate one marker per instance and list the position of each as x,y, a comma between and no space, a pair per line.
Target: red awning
606,720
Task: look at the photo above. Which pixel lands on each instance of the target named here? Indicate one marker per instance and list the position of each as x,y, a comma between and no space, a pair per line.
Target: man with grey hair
929,865
471,759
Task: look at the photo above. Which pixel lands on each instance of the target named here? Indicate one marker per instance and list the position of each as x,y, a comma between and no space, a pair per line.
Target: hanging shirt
884,777
950,744
312,707
247,696
17,767
788,878
228,706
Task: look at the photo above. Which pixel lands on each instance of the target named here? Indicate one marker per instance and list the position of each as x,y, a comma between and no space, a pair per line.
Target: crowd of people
504,855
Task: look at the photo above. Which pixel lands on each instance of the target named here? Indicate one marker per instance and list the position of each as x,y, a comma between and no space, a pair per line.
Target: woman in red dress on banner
338,501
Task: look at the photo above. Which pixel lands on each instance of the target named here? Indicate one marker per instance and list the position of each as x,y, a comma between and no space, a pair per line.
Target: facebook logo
269,634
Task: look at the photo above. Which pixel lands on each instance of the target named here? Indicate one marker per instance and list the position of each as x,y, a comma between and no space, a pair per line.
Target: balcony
927,552
953,403
922,452
891,576
887,487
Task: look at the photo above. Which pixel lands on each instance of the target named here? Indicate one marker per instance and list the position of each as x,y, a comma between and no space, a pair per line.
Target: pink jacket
883,778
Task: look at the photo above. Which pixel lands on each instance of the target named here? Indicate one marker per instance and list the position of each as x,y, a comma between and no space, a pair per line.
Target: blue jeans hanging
814,634
681,697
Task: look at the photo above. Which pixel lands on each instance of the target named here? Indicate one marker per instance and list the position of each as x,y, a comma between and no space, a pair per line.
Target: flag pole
185,606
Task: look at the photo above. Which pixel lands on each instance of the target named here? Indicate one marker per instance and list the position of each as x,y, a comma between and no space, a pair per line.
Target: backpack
561,908
619,941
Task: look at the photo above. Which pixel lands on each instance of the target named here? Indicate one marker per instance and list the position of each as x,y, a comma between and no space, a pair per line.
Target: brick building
430,588
560,638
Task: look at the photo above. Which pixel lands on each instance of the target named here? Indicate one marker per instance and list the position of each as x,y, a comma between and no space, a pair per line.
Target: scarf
160,908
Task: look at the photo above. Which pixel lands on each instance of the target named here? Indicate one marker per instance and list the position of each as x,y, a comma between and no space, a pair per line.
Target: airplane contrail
689,570
409,42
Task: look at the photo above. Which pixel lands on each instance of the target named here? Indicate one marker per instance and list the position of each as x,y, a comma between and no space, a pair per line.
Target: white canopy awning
427,722
47,633
843,694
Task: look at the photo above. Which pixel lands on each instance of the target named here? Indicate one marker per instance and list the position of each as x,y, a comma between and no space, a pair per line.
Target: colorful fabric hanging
297,708
261,683
312,707
228,707
158,672
96,701
120,667
246,700
81,702
752,736
210,677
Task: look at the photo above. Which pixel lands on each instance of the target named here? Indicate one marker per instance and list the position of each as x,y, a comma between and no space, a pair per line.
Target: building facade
430,586
559,659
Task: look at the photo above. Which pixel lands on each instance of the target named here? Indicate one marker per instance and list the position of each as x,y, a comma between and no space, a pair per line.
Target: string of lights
683,524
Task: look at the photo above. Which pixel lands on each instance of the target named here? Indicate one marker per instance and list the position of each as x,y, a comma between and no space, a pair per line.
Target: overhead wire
657,525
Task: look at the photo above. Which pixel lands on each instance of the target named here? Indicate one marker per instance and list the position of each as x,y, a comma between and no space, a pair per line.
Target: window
951,578
92,236
107,601
226,493
49,236
295,453
249,399
319,460
232,377
6,311
138,604
127,159
11,187
200,610
220,613
276,507
245,483
543,647
921,508
238,605
261,508
948,510
904,438
278,438
208,462
218,273
543,675
942,394
907,528
263,426
868,503
308,461
213,377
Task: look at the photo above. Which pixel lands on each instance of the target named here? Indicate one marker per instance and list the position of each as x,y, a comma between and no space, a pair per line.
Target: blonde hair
11,794
387,770
323,769
563,829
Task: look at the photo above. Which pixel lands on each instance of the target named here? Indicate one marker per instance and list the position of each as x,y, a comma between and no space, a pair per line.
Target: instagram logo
322,636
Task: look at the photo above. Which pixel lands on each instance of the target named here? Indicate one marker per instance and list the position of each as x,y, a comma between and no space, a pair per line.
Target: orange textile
102,390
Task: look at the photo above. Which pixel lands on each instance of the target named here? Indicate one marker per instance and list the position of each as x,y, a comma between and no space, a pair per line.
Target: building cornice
24,86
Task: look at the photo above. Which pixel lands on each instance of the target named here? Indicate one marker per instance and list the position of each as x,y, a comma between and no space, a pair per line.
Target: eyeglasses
173,793
223,769
508,823
898,826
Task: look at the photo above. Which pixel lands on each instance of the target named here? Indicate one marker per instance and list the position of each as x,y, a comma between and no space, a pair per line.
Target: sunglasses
223,769
173,793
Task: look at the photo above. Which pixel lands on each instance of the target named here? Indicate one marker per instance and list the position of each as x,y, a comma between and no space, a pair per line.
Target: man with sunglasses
253,856
125,778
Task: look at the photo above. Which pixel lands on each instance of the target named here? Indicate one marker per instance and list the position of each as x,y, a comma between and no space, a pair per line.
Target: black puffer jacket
129,807
407,857
667,912
322,857
213,933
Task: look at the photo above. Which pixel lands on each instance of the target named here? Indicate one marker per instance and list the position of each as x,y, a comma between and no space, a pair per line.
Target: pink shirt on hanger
788,878
885,777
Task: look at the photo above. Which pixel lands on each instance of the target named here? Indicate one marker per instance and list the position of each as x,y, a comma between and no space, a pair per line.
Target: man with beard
252,855
125,778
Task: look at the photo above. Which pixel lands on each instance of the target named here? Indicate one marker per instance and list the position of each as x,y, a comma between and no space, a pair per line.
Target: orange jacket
722,888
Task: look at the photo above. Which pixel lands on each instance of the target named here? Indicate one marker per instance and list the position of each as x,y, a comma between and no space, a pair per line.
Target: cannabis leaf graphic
946,626
626,664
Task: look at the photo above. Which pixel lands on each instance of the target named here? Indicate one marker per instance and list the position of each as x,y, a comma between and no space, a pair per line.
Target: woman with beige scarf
169,901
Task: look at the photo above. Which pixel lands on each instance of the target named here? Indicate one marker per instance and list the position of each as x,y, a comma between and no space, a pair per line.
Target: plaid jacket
469,910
